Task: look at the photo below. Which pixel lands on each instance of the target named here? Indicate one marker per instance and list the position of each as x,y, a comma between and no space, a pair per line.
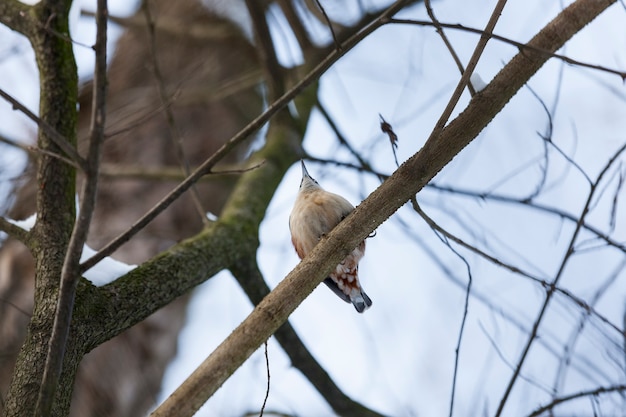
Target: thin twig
532,204
618,189
120,172
468,290
471,65
174,132
70,272
447,42
36,151
267,391
55,136
274,77
508,363
581,394
520,45
294,19
16,307
14,230
546,139
254,125
516,270
387,129
365,165
485,299
330,25
568,349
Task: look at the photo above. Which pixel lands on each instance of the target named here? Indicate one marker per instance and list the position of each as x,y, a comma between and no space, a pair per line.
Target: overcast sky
398,357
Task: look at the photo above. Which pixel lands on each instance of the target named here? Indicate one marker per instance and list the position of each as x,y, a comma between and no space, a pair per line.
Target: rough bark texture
122,377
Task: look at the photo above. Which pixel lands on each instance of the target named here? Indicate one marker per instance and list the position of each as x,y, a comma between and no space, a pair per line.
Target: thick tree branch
16,15
411,177
55,201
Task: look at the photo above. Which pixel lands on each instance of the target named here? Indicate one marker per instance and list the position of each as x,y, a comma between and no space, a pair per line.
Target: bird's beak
305,173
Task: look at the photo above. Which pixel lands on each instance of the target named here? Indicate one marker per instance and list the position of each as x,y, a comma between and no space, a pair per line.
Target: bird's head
307,183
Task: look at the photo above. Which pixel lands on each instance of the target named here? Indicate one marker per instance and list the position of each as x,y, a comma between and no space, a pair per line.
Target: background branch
14,230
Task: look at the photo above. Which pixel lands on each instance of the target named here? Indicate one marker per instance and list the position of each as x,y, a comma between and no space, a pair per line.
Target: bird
315,213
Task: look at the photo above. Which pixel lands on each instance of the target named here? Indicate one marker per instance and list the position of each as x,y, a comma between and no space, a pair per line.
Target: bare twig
267,391
620,184
342,139
446,41
174,132
488,301
471,65
532,204
120,171
70,272
508,363
274,77
16,307
581,394
520,45
468,290
387,129
14,230
296,25
546,139
516,270
568,349
330,25
35,151
55,136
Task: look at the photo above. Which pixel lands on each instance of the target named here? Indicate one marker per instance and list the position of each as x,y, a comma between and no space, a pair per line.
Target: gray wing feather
331,284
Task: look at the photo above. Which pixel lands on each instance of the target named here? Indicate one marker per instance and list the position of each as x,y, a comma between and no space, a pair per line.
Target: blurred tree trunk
196,90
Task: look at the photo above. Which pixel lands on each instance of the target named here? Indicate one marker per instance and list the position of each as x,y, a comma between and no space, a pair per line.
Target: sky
398,357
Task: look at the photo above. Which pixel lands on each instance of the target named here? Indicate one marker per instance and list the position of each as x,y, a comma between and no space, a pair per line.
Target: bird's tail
361,301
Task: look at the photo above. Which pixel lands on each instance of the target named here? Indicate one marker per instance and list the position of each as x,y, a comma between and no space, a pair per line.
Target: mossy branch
46,26
16,15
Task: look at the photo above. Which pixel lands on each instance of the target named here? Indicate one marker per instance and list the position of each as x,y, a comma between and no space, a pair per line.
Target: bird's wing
331,284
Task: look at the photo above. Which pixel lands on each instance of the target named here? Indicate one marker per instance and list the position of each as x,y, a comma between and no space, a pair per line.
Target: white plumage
315,213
